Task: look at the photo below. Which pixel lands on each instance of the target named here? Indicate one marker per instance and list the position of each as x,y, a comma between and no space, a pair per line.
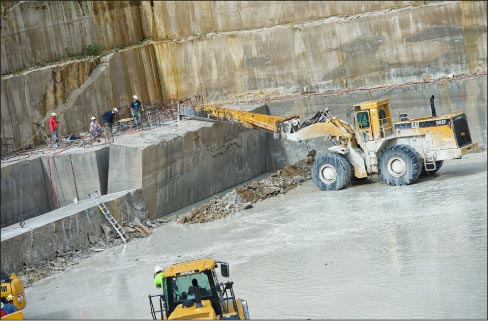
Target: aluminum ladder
96,198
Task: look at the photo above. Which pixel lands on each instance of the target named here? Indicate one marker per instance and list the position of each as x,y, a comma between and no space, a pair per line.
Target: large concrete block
23,191
125,168
60,180
183,170
90,170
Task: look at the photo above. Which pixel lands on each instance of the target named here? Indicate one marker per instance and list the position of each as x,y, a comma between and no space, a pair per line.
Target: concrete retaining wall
72,227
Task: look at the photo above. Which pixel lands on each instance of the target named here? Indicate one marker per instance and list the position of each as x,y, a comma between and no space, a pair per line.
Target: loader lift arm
322,124
274,124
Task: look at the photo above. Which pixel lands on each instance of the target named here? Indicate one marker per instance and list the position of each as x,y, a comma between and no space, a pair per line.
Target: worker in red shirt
53,125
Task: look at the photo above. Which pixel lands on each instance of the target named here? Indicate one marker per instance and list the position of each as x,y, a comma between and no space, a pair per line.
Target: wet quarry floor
368,251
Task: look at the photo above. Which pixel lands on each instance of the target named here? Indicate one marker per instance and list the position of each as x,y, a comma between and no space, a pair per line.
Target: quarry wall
296,56
38,32
72,227
173,167
227,51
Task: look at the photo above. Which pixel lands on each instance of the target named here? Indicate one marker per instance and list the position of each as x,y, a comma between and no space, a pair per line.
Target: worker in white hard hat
53,126
9,307
158,276
136,108
95,129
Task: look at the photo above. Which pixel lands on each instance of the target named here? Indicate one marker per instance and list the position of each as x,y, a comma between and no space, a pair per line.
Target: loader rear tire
400,165
438,165
331,172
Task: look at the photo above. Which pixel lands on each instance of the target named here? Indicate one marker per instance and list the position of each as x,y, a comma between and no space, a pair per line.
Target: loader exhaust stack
432,106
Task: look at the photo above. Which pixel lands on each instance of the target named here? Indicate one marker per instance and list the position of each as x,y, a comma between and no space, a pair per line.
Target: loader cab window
363,119
179,288
382,115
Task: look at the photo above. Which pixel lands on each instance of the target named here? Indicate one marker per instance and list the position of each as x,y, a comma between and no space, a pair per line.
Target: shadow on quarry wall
36,186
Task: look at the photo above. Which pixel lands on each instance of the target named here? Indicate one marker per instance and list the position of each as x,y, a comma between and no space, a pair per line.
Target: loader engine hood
206,312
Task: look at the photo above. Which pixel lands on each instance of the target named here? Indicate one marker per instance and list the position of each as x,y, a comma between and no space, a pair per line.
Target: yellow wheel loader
370,145
192,291
12,285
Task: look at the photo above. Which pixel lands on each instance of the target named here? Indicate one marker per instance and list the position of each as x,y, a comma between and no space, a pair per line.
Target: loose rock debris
64,260
238,199
242,198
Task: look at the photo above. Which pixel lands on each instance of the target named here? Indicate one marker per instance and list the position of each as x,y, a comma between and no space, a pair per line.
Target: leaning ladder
96,198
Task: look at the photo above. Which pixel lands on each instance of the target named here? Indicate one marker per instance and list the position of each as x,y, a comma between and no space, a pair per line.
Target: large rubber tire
438,165
400,165
331,172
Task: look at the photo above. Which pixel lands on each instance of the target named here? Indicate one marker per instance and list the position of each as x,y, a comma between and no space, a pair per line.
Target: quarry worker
108,118
158,276
53,126
95,129
136,108
9,307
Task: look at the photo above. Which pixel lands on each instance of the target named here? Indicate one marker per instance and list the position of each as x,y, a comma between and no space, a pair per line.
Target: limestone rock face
38,32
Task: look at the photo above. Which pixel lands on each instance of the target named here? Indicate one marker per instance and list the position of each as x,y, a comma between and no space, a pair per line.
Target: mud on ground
239,199
242,198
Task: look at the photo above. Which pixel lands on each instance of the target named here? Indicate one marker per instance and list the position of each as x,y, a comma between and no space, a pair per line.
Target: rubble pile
64,260
242,198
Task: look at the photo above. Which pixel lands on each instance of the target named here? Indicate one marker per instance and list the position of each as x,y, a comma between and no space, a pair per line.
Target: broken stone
106,230
128,229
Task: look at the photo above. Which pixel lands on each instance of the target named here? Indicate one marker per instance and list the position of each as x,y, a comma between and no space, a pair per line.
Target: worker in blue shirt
108,118
9,307
136,108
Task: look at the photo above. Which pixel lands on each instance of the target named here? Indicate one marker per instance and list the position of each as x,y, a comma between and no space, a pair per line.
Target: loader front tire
400,165
331,172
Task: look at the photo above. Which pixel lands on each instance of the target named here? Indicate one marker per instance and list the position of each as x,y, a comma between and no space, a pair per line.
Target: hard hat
115,110
53,114
93,118
10,297
157,269
135,97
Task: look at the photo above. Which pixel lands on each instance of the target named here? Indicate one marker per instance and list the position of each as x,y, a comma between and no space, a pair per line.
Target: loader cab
192,291
372,120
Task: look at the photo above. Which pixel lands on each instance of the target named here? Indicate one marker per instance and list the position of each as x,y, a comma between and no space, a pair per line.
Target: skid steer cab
192,291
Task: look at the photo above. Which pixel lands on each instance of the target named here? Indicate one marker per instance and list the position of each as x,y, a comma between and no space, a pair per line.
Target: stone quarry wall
368,49
167,20
36,186
69,228
173,170
76,91
227,51
184,169
37,32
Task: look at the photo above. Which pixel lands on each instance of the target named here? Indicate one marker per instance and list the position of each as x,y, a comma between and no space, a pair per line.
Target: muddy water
369,251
